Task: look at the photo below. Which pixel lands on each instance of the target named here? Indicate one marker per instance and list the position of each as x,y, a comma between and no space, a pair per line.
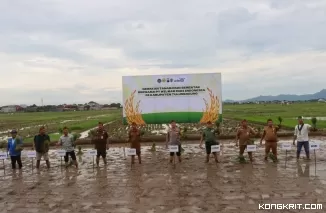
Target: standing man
42,145
134,140
243,138
100,140
14,147
67,143
209,136
173,138
301,134
270,136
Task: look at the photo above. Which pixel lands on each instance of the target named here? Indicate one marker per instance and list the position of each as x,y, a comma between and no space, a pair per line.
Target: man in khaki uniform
243,138
270,136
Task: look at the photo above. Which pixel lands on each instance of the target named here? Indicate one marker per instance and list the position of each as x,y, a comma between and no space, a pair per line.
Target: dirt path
156,186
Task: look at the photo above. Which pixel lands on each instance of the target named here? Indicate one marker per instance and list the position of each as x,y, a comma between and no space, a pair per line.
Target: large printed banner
185,98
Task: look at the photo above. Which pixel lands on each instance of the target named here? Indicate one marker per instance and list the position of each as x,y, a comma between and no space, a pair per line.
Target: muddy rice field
157,186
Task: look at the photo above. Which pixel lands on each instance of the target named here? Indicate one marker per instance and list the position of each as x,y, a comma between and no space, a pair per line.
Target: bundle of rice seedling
46,145
19,145
153,148
272,156
241,159
80,152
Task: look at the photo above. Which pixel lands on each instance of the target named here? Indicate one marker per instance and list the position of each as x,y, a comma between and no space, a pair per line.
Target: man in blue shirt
14,148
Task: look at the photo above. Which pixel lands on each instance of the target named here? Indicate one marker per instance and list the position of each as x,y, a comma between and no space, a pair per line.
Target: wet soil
158,186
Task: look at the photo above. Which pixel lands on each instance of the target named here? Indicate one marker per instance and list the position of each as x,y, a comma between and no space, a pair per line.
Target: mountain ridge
286,97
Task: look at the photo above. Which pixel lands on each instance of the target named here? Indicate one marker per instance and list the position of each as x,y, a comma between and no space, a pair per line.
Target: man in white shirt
301,132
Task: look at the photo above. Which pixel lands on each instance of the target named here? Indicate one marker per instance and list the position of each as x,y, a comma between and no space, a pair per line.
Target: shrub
217,123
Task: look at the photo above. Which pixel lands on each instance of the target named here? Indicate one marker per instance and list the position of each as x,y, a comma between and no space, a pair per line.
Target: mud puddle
158,186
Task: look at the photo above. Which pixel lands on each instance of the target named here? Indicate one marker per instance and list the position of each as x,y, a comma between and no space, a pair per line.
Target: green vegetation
259,113
77,121
314,123
166,117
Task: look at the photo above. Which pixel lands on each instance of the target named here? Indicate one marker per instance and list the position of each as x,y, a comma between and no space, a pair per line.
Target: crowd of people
209,135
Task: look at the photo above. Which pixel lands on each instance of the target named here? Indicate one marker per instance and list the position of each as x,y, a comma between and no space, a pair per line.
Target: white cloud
77,51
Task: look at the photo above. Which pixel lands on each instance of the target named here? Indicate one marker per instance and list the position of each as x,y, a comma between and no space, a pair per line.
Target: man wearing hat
301,134
14,148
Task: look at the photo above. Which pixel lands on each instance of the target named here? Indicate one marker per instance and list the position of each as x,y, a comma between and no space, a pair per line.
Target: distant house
11,108
81,107
94,106
321,100
70,107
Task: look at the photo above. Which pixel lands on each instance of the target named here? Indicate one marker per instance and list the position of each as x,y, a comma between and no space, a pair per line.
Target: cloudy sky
76,51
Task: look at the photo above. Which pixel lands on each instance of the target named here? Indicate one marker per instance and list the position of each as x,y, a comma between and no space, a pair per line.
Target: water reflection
303,171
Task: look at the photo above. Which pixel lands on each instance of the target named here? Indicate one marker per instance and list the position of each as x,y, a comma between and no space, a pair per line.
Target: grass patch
261,112
166,117
53,137
79,123
22,119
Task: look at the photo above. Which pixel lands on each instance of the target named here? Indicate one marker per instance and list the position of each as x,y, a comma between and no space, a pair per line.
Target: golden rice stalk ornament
212,108
132,112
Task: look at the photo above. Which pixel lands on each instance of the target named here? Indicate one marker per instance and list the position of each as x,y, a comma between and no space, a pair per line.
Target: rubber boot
171,159
104,161
75,163
251,158
207,159
97,162
38,162
139,159
215,156
48,164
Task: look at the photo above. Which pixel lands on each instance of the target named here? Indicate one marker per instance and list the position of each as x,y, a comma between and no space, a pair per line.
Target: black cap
13,131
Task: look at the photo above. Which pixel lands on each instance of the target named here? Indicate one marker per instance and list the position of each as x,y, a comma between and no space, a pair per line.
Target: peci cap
13,131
